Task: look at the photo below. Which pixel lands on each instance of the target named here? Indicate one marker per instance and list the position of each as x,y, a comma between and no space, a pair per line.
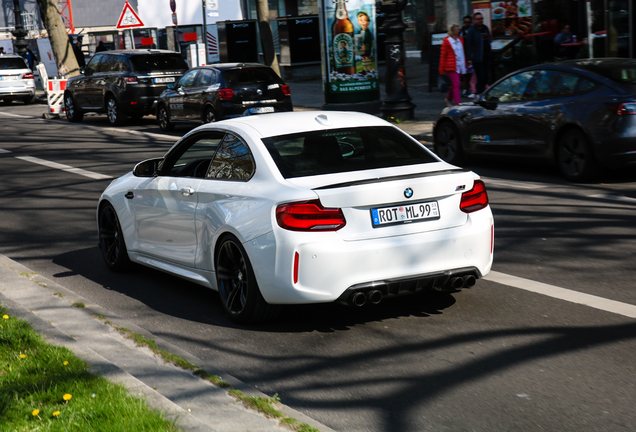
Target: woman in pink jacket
452,62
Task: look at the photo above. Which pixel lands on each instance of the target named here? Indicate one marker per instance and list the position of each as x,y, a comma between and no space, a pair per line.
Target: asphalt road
494,358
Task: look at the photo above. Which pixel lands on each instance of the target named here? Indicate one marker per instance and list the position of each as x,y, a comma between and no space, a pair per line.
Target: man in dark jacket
478,50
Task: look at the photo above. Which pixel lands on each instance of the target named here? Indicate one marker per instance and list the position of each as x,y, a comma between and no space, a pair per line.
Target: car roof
10,56
228,66
134,52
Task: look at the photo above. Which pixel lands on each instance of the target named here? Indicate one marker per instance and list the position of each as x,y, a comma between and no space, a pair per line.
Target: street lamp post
20,33
397,104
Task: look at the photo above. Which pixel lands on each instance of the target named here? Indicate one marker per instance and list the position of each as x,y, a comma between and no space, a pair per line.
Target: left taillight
225,94
627,108
131,80
286,90
475,199
309,216
28,75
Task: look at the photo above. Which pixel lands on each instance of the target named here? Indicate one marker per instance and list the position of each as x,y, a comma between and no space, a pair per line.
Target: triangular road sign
129,18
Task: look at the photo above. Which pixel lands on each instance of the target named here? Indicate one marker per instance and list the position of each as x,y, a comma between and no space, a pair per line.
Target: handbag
443,83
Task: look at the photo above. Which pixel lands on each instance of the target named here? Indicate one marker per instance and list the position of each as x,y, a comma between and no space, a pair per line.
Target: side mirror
170,86
87,71
489,103
147,168
181,90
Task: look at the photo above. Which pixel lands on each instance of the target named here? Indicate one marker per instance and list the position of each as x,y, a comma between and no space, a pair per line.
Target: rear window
250,76
158,62
12,63
344,150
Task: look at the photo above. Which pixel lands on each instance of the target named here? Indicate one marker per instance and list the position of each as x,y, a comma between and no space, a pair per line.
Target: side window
204,78
187,80
557,84
108,64
511,89
121,65
95,63
232,161
192,159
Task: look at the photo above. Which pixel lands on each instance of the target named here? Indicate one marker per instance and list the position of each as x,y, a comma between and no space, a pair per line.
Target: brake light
475,199
628,108
131,80
27,75
225,94
309,216
286,90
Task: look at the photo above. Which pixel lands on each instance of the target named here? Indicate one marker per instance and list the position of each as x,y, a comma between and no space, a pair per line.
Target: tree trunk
267,39
64,57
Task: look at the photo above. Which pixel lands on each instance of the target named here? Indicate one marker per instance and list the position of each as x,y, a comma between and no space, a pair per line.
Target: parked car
122,83
579,114
300,207
16,80
220,91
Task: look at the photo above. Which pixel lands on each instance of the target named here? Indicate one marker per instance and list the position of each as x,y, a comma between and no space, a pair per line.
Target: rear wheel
575,157
73,114
448,145
209,116
237,285
111,240
29,100
163,118
115,115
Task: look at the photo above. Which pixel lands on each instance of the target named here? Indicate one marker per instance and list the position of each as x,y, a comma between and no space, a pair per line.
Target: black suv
122,83
224,90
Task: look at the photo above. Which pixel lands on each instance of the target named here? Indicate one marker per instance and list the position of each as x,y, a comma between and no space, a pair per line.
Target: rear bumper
329,267
229,110
617,151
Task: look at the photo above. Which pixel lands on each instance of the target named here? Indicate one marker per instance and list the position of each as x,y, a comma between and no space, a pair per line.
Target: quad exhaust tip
359,299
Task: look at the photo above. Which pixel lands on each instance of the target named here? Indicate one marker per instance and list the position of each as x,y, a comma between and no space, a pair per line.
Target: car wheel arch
558,135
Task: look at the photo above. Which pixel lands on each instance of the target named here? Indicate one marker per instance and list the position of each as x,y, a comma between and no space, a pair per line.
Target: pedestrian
101,47
479,51
563,38
32,59
79,55
468,79
452,63
2,50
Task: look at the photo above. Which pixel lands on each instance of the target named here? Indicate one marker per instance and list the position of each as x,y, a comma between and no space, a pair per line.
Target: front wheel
237,285
448,145
163,118
73,114
111,240
115,115
575,157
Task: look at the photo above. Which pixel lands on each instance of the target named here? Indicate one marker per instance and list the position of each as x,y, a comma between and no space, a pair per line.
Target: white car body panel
329,262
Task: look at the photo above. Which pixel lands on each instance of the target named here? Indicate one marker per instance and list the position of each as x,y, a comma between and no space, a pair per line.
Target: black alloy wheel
447,144
575,157
115,116
111,240
237,285
163,118
73,114
209,116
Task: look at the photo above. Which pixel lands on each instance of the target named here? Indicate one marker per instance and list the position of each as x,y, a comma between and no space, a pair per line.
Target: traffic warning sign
129,18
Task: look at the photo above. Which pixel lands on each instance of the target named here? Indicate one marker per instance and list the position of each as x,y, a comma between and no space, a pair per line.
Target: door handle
187,191
130,195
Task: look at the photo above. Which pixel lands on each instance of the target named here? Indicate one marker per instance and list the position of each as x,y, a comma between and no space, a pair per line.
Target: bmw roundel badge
259,91
408,192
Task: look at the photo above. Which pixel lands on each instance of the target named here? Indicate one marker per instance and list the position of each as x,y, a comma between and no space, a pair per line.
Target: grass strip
48,388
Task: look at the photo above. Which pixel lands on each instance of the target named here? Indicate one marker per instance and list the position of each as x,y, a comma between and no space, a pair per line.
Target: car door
165,205
196,95
177,102
552,96
491,125
97,81
82,84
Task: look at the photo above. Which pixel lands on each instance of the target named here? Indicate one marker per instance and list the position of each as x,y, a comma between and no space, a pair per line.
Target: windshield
12,63
158,62
236,77
344,150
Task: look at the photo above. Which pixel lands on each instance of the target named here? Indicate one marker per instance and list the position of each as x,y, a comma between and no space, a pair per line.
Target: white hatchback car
16,80
302,207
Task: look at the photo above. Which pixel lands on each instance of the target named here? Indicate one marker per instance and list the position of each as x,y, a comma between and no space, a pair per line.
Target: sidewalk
194,403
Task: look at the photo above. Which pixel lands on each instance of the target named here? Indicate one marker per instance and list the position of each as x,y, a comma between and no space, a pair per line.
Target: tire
114,113
73,114
447,144
575,158
29,100
163,118
111,240
209,116
237,285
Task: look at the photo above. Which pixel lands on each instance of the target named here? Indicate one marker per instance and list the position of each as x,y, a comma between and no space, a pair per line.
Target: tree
267,39
64,57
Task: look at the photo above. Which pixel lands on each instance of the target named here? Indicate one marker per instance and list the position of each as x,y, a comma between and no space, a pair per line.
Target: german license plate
164,80
416,212
261,110
8,78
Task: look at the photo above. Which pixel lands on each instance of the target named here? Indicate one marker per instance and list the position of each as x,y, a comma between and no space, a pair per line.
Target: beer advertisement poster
349,51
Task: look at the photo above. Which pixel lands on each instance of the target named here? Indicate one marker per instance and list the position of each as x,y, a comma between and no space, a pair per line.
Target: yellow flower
67,397
35,412
65,362
22,356
5,316
56,413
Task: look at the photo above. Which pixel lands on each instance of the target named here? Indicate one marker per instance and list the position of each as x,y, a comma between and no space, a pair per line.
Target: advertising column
349,54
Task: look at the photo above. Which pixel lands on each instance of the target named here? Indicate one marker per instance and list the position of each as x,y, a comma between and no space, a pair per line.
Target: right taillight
225,94
309,216
286,90
475,199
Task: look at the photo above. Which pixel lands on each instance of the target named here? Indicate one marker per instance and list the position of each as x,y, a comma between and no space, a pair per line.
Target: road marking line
5,151
514,184
593,301
14,115
615,198
67,168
